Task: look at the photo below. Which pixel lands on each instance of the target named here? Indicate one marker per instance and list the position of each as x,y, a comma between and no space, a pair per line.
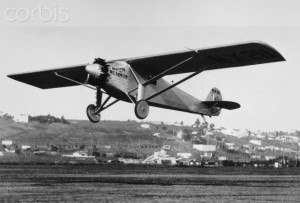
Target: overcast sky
75,32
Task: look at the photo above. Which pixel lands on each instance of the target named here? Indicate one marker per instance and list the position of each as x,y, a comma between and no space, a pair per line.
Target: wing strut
141,86
167,71
79,83
175,84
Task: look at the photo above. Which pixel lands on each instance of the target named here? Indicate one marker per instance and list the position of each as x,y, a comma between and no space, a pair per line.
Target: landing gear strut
141,108
93,111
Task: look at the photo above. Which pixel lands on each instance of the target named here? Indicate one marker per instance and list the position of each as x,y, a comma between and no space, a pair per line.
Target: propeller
103,64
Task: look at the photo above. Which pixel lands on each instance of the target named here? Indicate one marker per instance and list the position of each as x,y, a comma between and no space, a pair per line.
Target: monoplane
140,80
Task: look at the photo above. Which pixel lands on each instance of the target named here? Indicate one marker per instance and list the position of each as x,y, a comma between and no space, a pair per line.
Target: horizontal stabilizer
222,104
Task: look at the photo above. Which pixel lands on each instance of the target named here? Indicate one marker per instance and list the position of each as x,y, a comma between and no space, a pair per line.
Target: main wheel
90,111
141,109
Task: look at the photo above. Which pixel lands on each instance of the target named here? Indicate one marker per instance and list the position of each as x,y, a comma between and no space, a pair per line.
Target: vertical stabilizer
214,95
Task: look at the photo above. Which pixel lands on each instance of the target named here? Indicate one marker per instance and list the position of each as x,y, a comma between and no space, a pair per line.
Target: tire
90,112
141,109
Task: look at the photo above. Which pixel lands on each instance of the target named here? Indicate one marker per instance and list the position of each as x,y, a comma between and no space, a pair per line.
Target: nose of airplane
94,70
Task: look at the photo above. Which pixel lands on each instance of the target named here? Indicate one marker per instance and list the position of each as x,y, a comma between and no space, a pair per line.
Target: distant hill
121,136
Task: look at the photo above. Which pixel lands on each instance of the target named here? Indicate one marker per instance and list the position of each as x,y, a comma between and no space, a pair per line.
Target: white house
156,134
184,155
260,136
166,147
207,155
205,148
160,157
222,158
21,118
269,147
146,126
235,132
25,147
78,155
269,158
255,157
229,144
7,142
246,146
256,142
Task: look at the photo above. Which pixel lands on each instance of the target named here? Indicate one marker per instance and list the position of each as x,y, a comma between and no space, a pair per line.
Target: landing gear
93,116
93,111
141,109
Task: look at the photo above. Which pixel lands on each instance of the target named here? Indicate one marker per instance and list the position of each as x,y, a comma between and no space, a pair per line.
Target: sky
37,35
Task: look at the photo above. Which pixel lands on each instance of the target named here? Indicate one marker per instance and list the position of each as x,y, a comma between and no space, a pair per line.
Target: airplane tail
215,103
214,95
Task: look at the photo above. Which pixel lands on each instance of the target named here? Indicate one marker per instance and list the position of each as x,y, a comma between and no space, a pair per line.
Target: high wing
46,79
201,59
243,54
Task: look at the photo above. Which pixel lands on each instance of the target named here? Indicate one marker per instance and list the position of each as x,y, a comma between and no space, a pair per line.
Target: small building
7,142
156,134
194,162
269,158
229,144
255,157
269,147
146,126
184,155
22,118
129,161
205,148
25,147
260,136
247,151
222,158
259,148
246,146
160,157
78,155
206,155
107,146
166,147
256,142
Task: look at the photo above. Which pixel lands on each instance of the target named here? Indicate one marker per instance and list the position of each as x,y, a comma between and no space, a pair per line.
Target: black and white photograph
149,101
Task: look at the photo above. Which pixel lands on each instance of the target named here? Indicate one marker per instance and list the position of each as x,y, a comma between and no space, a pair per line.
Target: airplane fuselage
121,80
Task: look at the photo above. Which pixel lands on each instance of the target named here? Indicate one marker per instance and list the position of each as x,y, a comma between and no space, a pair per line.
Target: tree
197,122
54,148
212,126
7,116
164,128
186,135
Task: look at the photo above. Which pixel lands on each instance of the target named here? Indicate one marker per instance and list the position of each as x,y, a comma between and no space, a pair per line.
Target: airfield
49,176
142,183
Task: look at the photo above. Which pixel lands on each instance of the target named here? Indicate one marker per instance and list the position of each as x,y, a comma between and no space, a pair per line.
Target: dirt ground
133,183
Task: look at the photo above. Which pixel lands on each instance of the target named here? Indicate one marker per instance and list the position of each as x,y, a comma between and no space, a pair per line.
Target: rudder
214,95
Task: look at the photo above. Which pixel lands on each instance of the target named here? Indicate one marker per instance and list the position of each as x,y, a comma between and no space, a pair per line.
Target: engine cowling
94,70
97,74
